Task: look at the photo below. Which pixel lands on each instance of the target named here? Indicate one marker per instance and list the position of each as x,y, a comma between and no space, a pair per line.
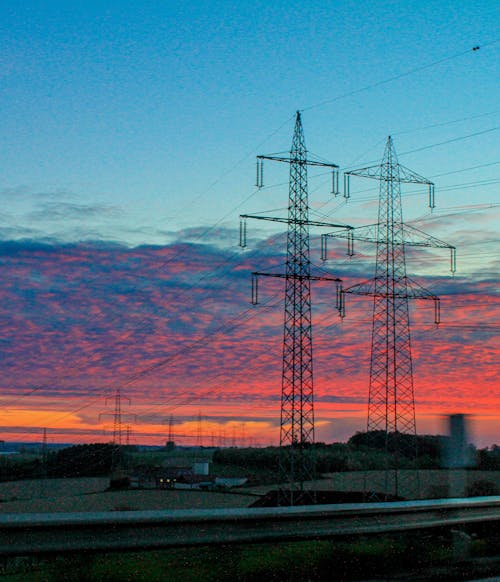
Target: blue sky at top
138,122
118,117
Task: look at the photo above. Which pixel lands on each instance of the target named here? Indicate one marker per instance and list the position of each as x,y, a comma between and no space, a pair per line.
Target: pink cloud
174,329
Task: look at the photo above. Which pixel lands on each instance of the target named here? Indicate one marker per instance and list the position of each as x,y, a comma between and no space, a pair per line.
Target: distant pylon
128,432
117,418
199,431
171,429
117,425
391,402
297,395
44,452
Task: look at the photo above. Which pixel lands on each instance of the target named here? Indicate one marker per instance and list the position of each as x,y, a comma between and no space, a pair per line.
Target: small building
201,468
229,482
171,477
193,481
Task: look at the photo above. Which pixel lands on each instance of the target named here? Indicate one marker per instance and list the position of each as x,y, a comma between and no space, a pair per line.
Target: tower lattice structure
118,418
391,400
296,463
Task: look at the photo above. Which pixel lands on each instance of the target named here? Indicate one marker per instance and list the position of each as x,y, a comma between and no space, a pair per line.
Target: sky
128,137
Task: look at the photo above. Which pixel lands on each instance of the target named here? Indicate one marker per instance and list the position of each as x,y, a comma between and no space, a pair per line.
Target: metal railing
25,534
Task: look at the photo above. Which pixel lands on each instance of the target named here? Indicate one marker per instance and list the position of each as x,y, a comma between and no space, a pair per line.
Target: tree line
363,451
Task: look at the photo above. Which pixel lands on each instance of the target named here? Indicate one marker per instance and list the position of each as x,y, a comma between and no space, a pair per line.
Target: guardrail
25,534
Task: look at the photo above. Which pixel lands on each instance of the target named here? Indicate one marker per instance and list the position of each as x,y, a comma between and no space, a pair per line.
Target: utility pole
296,463
391,402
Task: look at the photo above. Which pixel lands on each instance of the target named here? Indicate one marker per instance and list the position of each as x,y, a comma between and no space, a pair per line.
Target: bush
481,487
82,461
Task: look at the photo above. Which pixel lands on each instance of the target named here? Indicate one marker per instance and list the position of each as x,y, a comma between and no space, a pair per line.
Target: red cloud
174,329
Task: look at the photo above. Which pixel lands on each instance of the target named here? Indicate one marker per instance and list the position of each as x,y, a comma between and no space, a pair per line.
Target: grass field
90,494
429,556
403,557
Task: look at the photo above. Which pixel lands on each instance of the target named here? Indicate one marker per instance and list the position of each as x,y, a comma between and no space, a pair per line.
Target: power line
452,140
399,76
444,123
130,379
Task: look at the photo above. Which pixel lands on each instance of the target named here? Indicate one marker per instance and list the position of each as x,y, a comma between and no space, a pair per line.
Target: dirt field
89,494
433,483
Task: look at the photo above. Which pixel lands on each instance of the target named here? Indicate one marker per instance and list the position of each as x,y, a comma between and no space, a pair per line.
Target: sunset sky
128,138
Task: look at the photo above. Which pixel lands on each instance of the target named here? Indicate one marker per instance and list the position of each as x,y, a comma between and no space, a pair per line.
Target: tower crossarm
381,172
409,290
366,233
291,221
297,157
300,277
296,277
418,238
412,237
417,291
288,221
298,160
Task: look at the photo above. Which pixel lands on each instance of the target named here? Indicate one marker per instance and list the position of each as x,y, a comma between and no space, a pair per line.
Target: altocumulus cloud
172,325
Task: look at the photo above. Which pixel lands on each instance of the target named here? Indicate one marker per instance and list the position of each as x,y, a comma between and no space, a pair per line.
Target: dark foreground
417,556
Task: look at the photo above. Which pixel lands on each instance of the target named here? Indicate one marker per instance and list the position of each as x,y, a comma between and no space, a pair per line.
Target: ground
90,494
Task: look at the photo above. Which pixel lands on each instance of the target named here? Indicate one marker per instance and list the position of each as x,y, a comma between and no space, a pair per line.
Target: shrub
481,487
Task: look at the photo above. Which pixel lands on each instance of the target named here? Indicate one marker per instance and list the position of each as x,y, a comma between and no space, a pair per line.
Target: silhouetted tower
44,445
44,452
391,402
297,395
170,444
199,431
117,418
171,429
117,425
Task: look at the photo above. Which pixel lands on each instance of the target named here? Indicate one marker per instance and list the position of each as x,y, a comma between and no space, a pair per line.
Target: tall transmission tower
391,402
199,430
297,395
44,445
44,452
170,440
117,426
117,417
171,428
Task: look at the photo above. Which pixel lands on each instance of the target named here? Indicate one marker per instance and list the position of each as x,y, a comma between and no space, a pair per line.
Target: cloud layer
172,327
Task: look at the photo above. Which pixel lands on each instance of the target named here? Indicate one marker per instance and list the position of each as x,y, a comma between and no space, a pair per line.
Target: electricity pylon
170,440
117,418
391,403
297,398
117,427
45,454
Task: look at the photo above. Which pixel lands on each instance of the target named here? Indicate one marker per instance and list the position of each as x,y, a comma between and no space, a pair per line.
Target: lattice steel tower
297,394
391,402
118,417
